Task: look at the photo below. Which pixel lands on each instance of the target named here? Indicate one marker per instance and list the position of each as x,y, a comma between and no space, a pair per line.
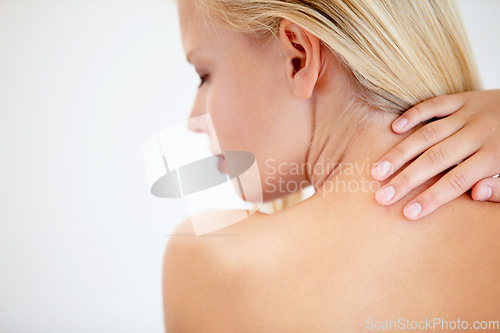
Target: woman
318,83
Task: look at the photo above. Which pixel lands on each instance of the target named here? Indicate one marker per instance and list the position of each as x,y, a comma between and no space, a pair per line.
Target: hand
469,137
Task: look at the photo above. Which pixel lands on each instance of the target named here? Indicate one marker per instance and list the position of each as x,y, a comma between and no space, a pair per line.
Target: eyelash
203,78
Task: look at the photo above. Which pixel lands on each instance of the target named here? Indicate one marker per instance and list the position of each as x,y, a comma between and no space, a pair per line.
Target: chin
248,191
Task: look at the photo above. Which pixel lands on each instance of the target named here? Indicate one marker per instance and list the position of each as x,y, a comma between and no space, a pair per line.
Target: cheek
239,115
252,113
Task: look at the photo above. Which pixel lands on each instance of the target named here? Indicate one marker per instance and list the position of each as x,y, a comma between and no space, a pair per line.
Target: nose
198,124
197,118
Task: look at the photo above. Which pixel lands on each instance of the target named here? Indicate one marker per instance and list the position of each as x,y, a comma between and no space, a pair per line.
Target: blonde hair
398,52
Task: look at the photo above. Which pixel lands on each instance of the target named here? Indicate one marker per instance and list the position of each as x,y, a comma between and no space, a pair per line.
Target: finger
424,138
450,186
435,160
487,190
435,107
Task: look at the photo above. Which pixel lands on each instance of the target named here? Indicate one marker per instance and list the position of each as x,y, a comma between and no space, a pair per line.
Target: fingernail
485,193
400,123
382,168
386,193
413,209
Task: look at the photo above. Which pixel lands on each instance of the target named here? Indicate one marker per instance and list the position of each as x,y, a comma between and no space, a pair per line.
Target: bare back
319,267
341,266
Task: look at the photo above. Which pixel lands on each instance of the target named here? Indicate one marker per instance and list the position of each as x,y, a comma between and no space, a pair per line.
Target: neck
347,175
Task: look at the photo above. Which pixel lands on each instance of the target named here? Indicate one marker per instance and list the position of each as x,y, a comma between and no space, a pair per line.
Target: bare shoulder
204,276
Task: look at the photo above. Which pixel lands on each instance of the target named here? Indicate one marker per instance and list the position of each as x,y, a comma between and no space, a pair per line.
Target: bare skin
333,261
330,263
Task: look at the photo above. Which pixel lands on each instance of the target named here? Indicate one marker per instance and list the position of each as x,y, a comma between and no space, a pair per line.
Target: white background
83,85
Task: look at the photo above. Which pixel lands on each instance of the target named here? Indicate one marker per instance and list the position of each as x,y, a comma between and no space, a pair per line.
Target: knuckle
399,153
436,102
435,157
428,133
402,180
418,112
431,199
458,182
487,128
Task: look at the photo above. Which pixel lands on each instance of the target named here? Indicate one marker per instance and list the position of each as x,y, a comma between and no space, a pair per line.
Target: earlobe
303,58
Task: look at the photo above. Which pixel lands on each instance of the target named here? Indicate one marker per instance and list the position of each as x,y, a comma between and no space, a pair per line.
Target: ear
303,58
